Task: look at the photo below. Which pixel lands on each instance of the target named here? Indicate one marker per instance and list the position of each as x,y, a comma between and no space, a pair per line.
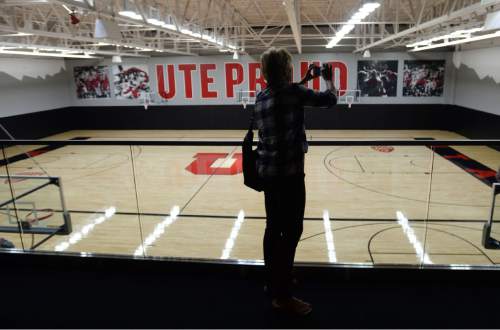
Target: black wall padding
36,125
235,117
476,124
470,123
162,117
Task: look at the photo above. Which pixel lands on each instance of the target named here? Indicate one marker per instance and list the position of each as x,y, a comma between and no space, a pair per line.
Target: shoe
293,306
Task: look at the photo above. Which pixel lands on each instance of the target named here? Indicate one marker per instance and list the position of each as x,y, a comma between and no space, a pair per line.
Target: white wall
30,85
478,79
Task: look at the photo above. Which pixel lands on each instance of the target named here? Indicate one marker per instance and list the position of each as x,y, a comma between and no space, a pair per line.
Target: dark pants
285,203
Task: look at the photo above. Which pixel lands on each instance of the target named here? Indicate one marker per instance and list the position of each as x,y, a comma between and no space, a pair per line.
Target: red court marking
458,156
35,153
484,174
23,173
385,149
202,165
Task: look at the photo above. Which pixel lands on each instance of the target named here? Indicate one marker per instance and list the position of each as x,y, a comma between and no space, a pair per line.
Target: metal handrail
56,143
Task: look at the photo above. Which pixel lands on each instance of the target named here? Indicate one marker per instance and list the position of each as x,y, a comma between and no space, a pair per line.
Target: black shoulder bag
250,176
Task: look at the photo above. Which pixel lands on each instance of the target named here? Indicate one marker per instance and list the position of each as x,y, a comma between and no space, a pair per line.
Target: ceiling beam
292,8
69,49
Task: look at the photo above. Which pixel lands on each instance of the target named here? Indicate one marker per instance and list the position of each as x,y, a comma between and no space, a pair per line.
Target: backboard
246,97
349,97
148,99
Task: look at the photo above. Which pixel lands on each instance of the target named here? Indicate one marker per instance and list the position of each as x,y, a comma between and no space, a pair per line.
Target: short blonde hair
276,66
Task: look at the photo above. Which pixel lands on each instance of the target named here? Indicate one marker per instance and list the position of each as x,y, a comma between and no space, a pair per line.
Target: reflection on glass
234,234
76,237
412,238
157,232
332,256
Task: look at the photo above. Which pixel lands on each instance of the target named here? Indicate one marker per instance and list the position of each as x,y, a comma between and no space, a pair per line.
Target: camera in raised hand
327,72
315,70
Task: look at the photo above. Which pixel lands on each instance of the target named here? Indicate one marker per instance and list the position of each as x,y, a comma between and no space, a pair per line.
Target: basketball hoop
147,100
244,102
246,98
152,99
35,216
349,97
350,100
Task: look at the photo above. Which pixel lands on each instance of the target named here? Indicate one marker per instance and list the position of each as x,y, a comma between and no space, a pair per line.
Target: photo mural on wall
423,78
92,82
378,78
131,82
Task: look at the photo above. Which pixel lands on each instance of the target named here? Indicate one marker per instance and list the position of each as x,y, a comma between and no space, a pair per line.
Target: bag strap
252,119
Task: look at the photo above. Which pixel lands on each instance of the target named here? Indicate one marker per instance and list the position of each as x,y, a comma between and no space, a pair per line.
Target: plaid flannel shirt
279,117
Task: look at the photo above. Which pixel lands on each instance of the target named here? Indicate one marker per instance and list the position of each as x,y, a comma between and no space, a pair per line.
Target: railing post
488,241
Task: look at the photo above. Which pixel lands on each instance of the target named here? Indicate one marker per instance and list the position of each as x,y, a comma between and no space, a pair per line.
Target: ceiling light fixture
459,34
158,22
455,38
38,53
192,32
357,18
18,34
130,14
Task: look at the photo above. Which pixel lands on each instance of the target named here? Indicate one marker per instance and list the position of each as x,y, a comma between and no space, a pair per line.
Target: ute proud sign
223,80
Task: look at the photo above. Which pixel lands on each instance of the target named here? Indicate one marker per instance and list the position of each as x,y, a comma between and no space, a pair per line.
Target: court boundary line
213,216
430,229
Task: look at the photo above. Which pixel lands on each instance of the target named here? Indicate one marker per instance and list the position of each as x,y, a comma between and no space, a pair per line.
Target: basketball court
133,114
190,202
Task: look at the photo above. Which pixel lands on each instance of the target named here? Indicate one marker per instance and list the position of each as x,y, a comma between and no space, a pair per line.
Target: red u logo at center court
205,164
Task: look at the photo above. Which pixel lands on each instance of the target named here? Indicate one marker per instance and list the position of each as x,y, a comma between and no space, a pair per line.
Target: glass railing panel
368,204
181,175
223,192
364,204
460,204
188,237
495,217
10,236
180,211
90,196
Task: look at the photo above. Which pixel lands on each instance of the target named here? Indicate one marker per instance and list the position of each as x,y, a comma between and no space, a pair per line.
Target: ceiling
209,26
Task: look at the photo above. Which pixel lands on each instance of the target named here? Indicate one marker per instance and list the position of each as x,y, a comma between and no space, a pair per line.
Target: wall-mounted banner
131,82
378,78
92,82
220,80
423,78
